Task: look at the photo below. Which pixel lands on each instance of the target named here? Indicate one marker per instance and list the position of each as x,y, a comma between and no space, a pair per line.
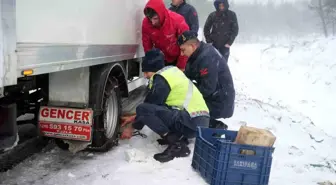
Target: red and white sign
66,123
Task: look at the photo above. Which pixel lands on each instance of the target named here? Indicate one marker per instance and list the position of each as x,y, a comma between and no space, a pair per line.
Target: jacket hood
159,7
183,3
226,4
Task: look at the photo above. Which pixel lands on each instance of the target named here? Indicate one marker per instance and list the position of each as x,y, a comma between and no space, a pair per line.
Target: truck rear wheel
112,109
108,111
110,116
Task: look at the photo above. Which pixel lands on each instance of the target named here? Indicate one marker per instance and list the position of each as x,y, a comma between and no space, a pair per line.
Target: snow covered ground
289,89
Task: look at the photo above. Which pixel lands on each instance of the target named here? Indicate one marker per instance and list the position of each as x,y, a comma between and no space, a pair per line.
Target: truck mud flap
24,150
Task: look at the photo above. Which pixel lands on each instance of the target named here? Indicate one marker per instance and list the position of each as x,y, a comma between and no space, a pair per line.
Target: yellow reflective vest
183,93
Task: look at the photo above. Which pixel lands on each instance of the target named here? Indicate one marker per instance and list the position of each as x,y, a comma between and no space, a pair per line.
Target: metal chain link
138,133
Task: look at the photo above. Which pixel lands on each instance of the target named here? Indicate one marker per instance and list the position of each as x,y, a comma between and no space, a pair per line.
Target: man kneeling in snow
173,107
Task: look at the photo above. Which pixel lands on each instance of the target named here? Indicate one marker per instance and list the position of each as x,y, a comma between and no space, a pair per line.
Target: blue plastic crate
220,162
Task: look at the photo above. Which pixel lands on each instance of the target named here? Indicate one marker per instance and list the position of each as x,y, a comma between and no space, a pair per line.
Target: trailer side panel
66,34
8,60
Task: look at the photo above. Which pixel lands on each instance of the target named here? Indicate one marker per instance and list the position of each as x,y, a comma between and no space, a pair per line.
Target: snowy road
272,92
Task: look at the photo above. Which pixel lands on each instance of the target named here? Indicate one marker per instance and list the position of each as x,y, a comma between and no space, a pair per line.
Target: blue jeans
163,120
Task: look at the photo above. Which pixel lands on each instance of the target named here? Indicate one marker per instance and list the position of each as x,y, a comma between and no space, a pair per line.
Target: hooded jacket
221,27
164,37
226,4
189,13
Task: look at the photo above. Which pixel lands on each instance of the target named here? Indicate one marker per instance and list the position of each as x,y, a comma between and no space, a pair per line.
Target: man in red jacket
160,29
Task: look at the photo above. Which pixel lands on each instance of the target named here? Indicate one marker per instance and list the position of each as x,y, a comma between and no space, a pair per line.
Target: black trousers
163,120
225,52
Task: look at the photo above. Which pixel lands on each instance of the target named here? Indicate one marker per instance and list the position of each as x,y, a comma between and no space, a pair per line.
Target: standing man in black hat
212,75
187,11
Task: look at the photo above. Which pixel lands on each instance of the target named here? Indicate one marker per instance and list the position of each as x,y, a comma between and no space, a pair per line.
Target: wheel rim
111,114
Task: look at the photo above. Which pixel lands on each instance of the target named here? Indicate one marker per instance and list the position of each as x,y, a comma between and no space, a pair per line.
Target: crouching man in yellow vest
173,107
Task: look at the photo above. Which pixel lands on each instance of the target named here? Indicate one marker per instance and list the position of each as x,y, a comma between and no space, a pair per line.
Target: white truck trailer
70,62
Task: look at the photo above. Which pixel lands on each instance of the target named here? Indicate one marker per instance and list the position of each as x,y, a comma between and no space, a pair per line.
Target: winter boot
221,126
163,141
176,148
217,124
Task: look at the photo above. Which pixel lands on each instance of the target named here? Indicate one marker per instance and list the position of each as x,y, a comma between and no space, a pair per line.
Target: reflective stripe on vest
189,95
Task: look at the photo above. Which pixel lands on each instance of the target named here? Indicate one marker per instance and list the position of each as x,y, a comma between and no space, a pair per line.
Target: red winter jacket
165,37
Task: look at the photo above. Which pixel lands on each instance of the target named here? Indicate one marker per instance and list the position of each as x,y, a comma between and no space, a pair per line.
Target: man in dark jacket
187,11
173,107
212,75
221,28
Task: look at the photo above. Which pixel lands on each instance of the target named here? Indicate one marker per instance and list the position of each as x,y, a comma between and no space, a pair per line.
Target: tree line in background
326,10
259,21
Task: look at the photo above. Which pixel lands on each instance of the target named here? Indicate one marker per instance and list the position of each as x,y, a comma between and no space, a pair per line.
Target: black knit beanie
153,61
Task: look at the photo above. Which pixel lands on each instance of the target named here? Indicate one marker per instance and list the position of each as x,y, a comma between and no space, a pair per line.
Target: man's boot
163,141
176,148
217,124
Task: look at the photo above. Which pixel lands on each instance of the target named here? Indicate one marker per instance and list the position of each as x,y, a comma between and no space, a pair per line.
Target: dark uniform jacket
189,13
213,79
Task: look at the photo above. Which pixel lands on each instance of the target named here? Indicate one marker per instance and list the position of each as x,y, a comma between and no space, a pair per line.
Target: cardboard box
255,137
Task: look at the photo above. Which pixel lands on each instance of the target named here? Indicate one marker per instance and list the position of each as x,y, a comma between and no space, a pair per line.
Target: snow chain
138,133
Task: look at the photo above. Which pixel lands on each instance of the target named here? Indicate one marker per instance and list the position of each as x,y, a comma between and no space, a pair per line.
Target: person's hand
127,119
126,126
227,46
127,132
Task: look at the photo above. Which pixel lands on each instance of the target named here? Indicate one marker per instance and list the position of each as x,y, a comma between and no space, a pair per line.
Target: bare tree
326,10
319,7
331,14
